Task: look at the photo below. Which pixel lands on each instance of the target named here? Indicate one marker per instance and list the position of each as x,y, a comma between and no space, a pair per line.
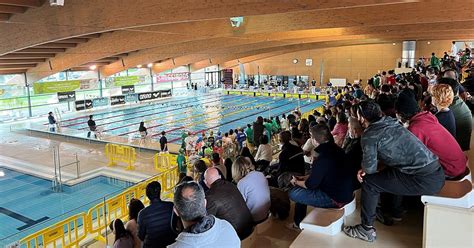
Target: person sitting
462,115
426,127
330,183
155,221
200,228
254,188
264,154
442,97
134,207
92,127
411,169
142,130
217,163
123,238
225,202
246,153
340,129
291,157
353,148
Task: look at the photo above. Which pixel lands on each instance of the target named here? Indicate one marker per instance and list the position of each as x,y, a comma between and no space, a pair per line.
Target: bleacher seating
327,221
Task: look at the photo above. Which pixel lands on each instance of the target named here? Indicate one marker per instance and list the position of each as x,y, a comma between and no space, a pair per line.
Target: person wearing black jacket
225,201
329,184
258,129
155,221
291,158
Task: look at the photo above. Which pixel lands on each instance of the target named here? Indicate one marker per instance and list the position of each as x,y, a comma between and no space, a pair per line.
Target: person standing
155,221
434,62
258,129
52,122
163,142
249,135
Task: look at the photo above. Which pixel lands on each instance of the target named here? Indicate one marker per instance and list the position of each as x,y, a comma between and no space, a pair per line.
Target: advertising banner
128,89
227,76
100,102
149,95
123,81
83,104
165,93
58,86
115,100
131,98
66,96
168,77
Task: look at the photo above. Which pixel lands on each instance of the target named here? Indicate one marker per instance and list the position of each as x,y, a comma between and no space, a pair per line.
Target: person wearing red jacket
434,136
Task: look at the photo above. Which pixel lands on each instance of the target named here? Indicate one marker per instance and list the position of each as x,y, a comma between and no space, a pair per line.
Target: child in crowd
340,130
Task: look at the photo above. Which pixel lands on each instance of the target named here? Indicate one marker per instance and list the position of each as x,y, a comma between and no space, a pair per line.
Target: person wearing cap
434,136
411,169
462,115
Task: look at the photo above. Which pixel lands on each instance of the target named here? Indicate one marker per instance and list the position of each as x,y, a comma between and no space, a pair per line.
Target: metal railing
57,181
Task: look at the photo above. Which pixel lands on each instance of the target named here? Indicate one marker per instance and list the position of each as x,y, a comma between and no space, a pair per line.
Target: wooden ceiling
41,40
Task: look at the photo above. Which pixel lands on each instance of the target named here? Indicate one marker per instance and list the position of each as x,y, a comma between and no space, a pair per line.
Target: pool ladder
57,182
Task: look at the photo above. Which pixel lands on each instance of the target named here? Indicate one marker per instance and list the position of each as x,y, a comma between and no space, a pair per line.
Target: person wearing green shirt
181,161
434,61
249,134
275,126
183,136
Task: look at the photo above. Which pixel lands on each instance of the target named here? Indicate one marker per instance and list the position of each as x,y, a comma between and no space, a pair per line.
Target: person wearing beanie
410,168
462,115
425,126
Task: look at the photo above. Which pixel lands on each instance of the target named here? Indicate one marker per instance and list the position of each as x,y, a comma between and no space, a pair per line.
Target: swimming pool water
29,203
192,113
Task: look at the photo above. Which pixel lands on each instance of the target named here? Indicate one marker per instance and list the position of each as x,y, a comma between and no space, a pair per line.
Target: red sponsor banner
168,77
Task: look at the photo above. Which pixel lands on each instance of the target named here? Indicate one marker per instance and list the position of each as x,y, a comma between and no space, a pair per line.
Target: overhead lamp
394,43
429,42
93,67
139,66
150,65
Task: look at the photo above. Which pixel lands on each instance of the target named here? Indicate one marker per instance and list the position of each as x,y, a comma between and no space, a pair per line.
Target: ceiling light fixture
92,67
139,66
394,43
150,65
429,42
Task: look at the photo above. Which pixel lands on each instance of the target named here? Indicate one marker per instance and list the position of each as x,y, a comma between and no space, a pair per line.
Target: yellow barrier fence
164,161
71,231
66,233
118,153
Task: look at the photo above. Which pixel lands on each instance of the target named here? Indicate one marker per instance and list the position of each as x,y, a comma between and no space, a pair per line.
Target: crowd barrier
118,153
164,161
66,233
301,95
93,224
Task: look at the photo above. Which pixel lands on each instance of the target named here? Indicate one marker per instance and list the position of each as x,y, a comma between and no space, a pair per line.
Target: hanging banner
126,80
100,102
65,86
168,77
128,89
149,95
66,96
115,100
58,86
83,104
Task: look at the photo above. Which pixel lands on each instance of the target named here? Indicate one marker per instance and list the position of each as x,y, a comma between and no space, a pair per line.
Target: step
327,221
